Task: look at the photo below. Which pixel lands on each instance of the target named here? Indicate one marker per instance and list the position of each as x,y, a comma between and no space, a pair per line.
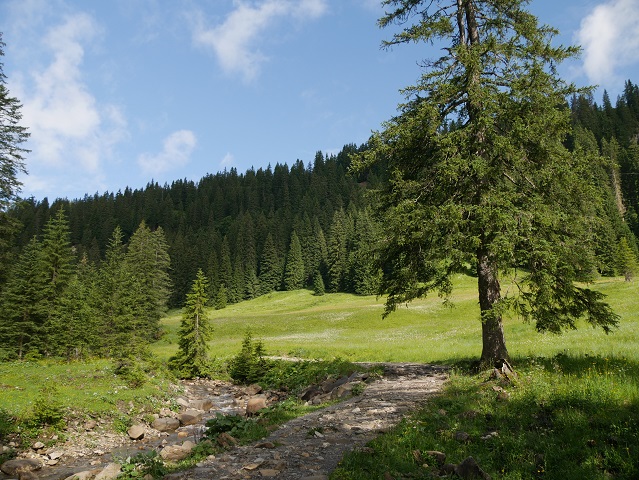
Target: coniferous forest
80,276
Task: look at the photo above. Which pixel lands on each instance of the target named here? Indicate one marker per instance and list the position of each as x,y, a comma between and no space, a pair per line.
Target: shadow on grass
566,417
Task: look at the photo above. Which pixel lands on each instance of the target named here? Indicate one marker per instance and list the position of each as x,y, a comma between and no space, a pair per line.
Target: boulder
17,466
110,472
255,404
38,446
84,475
253,389
166,424
136,432
469,469
204,404
175,453
190,417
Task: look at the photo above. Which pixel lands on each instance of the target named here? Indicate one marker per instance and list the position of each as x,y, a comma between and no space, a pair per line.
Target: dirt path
311,446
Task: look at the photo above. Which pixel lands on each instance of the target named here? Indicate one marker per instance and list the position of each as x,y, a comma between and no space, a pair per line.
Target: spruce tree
499,189
294,272
12,163
192,359
23,307
626,260
270,272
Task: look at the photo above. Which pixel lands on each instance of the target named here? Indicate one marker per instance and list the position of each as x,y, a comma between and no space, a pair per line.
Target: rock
175,453
136,432
269,472
51,463
315,477
225,440
110,472
38,446
85,475
462,436
268,445
469,469
203,404
166,424
447,469
182,402
190,417
20,465
255,404
253,390
439,457
90,425
55,455
183,434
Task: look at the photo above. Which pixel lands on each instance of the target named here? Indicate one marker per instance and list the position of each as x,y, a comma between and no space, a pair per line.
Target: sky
119,93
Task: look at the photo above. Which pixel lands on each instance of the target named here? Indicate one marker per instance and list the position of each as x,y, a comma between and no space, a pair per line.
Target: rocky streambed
307,447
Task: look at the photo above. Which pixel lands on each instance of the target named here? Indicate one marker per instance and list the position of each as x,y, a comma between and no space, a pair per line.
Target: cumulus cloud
228,160
609,36
235,41
69,128
176,152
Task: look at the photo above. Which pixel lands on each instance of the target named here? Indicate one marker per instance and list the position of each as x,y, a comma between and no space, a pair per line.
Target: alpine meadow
489,228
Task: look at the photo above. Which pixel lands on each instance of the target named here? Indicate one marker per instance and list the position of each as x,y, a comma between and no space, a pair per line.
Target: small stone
469,469
252,466
51,463
190,417
183,434
166,424
265,445
255,404
90,425
110,472
136,432
269,472
439,457
55,455
38,446
462,436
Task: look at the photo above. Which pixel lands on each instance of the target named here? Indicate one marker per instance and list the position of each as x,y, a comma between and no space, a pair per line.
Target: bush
47,409
143,464
249,366
7,424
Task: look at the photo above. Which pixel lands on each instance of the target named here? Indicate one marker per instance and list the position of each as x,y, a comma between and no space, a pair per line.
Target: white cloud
227,161
235,41
176,153
609,36
70,130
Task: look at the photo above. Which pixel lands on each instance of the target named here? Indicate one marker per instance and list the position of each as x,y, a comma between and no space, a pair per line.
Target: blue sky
119,92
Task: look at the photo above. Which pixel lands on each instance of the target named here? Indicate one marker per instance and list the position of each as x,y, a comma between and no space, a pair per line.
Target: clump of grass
568,417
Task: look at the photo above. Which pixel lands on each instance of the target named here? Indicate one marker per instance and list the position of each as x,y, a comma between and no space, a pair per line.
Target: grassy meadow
350,327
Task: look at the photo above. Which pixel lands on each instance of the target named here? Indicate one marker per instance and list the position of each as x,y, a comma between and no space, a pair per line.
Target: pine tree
23,307
56,267
148,260
498,190
626,260
337,258
12,135
270,272
294,272
195,331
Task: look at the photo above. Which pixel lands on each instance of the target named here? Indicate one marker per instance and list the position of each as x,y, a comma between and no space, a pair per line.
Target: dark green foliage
195,331
478,171
12,135
626,260
318,284
7,424
249,366
143,465
47,410
294,276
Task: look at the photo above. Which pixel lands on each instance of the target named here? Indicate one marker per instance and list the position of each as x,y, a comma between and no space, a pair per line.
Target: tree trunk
492,330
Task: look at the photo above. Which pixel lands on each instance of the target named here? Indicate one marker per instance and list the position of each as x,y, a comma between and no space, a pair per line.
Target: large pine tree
478,171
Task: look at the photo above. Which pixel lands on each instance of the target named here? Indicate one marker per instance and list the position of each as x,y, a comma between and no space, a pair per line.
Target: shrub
249,366
7,424
47,409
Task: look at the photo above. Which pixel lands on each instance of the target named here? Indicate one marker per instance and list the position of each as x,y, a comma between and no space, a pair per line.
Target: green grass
572,414
82,389
347,326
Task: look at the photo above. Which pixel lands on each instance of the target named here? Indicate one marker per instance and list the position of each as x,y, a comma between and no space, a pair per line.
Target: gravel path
311,446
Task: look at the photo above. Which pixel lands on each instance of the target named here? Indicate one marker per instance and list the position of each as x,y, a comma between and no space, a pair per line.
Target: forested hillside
86,274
